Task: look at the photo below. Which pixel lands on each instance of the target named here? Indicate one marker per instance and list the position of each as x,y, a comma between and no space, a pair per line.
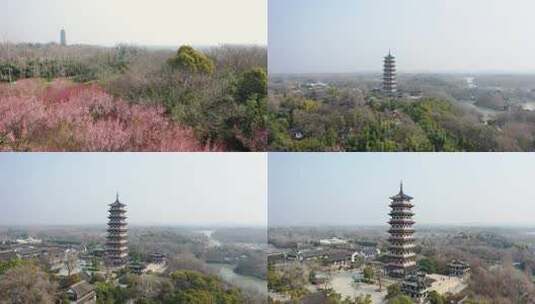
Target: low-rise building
416,286
339,258
82,293
8,255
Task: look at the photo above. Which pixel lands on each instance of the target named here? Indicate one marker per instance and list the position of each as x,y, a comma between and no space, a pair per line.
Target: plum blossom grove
63,116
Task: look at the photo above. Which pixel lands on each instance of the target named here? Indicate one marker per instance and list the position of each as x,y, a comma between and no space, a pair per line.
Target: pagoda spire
401,187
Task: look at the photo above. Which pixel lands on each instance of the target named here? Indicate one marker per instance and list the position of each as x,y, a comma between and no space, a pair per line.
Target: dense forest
127,98
350,114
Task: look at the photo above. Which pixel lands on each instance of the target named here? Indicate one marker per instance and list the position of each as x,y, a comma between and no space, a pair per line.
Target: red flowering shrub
63,116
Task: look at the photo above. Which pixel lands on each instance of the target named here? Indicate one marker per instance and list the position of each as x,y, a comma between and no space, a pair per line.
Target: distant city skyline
349,36
353,189
148,23
170,189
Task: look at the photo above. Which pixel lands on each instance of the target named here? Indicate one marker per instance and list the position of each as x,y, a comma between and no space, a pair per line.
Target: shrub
187,58
68,117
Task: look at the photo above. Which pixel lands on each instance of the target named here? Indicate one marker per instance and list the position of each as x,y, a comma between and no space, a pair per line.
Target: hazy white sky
354,188
307,36
147,22
158,188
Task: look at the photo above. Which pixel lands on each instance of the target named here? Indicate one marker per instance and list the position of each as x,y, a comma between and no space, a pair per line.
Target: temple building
401,256
389,75
457,268
63,37
416,286
117,240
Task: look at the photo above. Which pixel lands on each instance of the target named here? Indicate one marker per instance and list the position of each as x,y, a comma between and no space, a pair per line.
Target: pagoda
389,75
401,256
63,37
117,239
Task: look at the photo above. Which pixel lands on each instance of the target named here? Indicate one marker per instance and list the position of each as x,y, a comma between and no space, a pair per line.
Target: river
226,271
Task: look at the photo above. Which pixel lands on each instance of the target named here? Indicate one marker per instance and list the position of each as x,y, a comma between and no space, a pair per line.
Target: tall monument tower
401,256
117,240
63,37
389,75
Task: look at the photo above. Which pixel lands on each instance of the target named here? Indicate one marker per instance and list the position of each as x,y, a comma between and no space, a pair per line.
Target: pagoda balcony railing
401,213
401,255
117,217
401,231
117,235
402,245
404,264
395,238
401,221
117,230
117,220
117,211
401,204
117,250
117,225
401,224
116,241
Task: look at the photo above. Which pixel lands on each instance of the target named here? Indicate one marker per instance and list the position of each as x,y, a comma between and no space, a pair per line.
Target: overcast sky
159,188
354,188
154,22
307,36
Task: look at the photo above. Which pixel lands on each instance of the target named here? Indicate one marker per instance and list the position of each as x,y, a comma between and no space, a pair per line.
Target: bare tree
71,261
26,284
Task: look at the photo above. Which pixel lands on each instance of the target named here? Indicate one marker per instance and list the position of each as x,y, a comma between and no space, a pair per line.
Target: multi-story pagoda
389,75
117,240
401,256
63,37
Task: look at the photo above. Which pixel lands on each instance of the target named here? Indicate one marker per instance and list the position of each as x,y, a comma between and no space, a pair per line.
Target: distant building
401,256
366,253
389,75
82,293
157,258
63,37
117,240
333,241
458,268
